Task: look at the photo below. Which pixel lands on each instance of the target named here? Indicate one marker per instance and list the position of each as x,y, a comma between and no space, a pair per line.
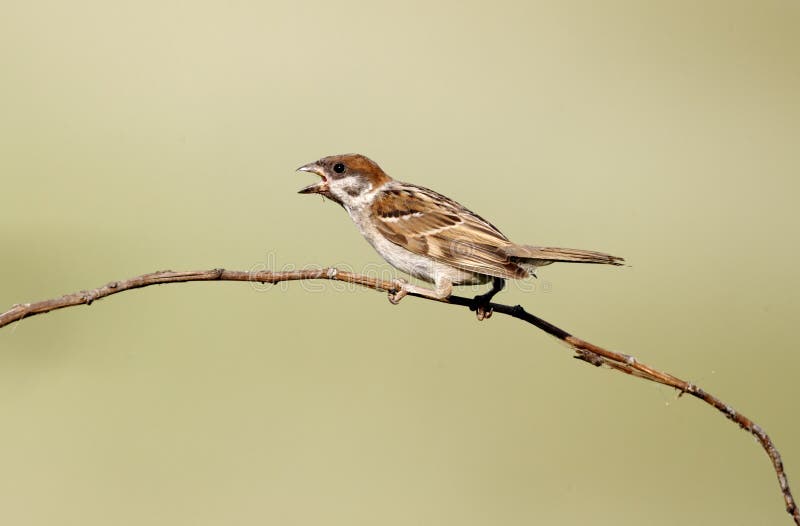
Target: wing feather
430,224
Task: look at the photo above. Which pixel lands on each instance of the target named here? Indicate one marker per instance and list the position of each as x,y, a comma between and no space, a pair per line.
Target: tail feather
539,256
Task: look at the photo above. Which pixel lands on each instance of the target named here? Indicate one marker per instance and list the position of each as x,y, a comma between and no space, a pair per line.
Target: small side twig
584,351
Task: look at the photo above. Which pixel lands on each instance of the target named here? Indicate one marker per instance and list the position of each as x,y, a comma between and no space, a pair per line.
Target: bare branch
584,350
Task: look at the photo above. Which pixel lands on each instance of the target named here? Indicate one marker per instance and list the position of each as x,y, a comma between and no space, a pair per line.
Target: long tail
538,256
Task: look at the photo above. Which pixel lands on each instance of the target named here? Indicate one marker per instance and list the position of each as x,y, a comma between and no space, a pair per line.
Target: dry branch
584,350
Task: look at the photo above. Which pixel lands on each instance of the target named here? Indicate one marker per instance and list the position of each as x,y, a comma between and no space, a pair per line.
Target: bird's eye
338,168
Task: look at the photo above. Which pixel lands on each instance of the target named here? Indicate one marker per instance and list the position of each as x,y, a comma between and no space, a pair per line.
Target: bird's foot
481,306
398,292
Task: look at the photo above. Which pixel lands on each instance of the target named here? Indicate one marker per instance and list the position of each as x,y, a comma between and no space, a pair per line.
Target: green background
150,135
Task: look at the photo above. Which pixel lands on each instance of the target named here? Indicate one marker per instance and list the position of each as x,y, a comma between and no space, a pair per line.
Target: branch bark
584,350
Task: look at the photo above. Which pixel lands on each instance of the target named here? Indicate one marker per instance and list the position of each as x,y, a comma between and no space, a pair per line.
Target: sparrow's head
345,178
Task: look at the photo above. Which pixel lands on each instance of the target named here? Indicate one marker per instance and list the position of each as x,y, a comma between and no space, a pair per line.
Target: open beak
316,188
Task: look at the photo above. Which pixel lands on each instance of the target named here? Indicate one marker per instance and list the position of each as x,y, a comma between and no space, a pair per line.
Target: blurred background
140,136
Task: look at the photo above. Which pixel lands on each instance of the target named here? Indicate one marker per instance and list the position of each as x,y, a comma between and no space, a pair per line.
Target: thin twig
584,350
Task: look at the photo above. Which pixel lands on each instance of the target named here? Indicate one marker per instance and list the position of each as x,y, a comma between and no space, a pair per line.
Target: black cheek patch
355,188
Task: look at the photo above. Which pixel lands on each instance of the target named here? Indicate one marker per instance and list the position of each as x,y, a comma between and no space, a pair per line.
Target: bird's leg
480,303
399,291
443,289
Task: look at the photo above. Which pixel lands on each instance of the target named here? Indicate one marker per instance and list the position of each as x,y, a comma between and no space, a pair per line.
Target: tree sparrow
430,236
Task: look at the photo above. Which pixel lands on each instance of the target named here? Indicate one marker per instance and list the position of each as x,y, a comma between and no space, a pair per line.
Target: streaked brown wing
430,224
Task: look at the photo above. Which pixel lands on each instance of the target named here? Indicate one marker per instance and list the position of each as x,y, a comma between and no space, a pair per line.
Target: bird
430,236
